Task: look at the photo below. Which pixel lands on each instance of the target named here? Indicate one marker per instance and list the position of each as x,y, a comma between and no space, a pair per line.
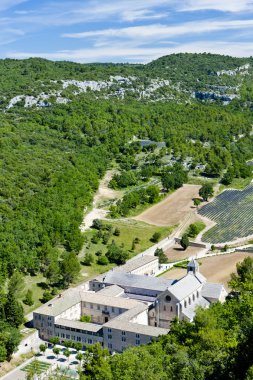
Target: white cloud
117,54
160,31
219,5
6,4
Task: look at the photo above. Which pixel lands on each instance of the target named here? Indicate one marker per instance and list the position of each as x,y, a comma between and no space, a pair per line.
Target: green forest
52,157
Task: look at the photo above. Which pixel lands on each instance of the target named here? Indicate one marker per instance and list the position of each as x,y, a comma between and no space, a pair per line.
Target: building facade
126,309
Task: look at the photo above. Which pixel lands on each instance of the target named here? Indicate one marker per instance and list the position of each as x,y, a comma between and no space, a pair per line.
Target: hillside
179,77
62,124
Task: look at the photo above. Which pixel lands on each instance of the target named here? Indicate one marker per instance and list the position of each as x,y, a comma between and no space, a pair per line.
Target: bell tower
193,267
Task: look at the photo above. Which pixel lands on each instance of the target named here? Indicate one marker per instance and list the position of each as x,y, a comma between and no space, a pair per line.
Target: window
193,297
113,309
137,342
164,308
78,339
197,294
110,346
168,298
137,335
123,332
171,308
109,336
185,304
90,341
98,307
123,338
67,336
109,330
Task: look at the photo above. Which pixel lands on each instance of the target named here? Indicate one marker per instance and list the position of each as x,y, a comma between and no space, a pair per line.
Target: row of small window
74,338
189,299
165,308
104,308
78,331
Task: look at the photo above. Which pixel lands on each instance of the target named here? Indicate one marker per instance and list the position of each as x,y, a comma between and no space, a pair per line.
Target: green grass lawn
129,229
31,282
237,183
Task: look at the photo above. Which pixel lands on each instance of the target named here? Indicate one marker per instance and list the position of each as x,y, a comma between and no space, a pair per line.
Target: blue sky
124,30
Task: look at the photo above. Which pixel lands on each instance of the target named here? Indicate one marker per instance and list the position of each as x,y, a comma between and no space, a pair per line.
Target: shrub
85,318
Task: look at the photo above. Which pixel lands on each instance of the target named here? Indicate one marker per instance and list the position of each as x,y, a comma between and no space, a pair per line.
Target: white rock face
242,70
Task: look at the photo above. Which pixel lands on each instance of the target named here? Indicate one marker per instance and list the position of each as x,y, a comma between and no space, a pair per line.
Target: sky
135,31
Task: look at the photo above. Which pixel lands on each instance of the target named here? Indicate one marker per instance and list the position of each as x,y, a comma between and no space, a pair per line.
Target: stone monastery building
126,309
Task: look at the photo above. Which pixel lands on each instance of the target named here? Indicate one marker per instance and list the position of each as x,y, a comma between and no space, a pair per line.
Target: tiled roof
137,281
112,290
93,327
185,286
210,290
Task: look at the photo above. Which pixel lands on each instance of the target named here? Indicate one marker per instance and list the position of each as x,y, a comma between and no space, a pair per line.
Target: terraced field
232,211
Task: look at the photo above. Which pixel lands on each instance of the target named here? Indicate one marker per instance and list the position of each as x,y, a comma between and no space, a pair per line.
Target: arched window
197,294
189,300
171,309
185,304
193,297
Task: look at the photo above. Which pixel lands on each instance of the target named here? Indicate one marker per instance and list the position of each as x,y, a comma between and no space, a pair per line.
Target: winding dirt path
103,194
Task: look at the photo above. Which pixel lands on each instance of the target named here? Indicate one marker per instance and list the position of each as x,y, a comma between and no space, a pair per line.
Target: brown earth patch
176,253
216,269
173,209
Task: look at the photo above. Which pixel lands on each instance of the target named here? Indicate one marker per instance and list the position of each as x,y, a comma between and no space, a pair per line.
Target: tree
70,268
168,181
14,311
79,357
206,191
116,255
56,351
67,353
28,300
88,259
155,237
47,296
192,230
184,242
97,224
16,284
163,259
54,340
103,260
197,202
42,348
243,279
96,364
3,353
116,232
53,272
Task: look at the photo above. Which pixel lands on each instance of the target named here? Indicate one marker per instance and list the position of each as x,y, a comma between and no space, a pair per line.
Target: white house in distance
126,309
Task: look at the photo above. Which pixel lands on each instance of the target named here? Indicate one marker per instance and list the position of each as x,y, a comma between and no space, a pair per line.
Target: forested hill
63,123
178,77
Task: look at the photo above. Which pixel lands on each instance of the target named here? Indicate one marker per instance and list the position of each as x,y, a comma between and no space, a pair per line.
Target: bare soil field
216,269
176,253
173,209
